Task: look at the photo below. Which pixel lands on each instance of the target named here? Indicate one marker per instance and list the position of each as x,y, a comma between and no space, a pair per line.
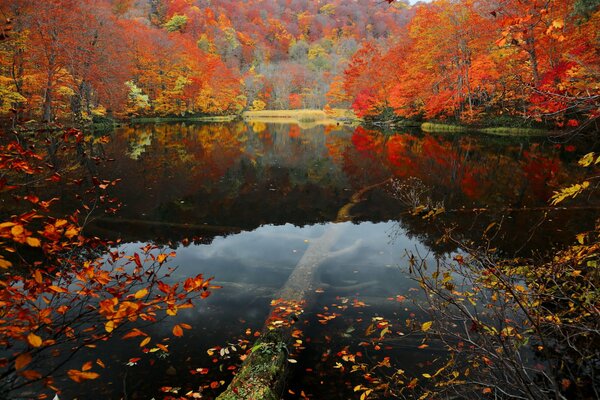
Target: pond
243,202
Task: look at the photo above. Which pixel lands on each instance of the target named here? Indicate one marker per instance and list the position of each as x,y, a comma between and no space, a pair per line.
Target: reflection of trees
224,175
478,182
234,176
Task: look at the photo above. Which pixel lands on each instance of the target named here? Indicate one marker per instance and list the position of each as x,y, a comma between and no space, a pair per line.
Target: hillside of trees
466,60
469,60
64,58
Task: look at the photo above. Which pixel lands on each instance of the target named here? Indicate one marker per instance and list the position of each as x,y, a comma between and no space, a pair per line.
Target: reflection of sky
252,266
264,258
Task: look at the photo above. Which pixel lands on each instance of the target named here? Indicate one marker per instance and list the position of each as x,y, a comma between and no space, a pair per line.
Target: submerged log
262,375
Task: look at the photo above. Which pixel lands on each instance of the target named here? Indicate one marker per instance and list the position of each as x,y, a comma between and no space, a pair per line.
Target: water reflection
242,202
204,180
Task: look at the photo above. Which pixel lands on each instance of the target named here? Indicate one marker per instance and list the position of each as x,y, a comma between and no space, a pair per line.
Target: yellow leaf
109,326
22,361
72,231
37,275
426,326
558,23
586,160
57,289
520,288
33,242
5,263
145,341
581,238
140,293
161,258
34,340
427,376
17,230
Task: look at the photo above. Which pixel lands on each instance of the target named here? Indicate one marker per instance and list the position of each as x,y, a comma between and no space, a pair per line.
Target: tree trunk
47,115
533,60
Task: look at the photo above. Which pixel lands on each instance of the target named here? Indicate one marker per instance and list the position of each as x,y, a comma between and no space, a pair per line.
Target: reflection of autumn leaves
206,150
366,140
399,155
461,165
540,172
294,131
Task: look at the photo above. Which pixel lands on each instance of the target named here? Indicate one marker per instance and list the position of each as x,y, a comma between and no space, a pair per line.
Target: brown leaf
22,361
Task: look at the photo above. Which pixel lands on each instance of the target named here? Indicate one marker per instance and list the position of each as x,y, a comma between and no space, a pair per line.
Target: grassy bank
212,118
306,118
508,131
432,127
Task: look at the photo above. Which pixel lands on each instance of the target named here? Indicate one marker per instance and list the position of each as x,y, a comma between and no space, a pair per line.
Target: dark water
243,202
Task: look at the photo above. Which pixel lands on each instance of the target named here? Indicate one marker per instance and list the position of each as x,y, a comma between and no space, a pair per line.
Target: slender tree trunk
533,60
48,115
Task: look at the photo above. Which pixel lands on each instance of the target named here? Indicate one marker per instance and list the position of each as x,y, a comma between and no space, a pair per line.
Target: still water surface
242,202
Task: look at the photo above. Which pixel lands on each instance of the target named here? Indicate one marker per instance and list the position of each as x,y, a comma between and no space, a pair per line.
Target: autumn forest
296,199
460,60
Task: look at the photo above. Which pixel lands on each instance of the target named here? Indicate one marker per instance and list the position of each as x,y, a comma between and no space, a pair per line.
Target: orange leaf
133,333
177,331
145,341
162,347
30,374
33,242
34,340
22,361
161,258
87,366
140,293
58,289
79,376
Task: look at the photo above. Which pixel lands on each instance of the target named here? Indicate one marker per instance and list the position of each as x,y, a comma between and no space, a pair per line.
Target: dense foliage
86,59
468,60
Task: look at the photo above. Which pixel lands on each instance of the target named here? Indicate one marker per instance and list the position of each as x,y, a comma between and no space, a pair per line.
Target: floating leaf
22,361
426,326
33,242
80,376
34,340
177,331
